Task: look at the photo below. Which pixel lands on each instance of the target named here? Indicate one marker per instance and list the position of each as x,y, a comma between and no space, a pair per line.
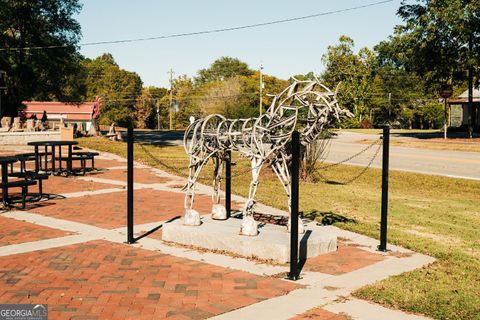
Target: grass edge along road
434,215
433,144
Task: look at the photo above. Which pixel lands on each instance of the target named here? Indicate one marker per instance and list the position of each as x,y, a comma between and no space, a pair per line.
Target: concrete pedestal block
272,242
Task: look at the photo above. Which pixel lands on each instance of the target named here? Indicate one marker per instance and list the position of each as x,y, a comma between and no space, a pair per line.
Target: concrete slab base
272,243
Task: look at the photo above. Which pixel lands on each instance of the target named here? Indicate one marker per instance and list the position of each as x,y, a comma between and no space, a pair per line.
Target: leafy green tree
184,95
40,73
302,77
221,97
144,109
439,40
355,72
119,89
395,95
222,69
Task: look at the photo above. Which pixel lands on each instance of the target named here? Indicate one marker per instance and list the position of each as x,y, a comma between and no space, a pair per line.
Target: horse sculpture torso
305,105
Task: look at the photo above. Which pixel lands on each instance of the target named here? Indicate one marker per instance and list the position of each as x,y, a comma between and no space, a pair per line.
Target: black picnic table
4,163
52,145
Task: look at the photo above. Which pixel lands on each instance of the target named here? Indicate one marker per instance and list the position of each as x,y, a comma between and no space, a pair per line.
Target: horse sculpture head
307,106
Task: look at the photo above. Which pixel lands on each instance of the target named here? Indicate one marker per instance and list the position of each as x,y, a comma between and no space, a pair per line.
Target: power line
188,34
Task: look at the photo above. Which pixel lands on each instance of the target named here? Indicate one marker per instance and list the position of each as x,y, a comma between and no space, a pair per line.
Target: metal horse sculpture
307,106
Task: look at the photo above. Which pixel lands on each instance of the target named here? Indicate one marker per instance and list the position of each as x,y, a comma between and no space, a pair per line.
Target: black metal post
383,222
293,274
69,160
130,237
4,182
228,183
37,160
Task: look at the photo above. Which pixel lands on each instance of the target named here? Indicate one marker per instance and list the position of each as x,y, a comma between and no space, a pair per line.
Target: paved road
161,138
465,165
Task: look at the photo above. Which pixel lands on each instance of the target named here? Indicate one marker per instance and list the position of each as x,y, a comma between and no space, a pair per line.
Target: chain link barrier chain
178,169
361,173
328,166
375,142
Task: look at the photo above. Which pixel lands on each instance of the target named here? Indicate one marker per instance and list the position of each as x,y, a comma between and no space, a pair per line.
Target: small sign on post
445,92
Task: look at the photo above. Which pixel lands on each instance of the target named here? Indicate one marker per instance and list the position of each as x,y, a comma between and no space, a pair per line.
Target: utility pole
158,114
261,91
171,97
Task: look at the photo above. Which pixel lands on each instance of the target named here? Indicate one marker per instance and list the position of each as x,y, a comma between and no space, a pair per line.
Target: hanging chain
361,173
177,170
351,157
378,142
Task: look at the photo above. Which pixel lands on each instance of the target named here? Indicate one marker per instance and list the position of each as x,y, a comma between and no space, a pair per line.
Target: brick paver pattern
55,184
109,210
105,280
13,231
345,259
140,175
107,163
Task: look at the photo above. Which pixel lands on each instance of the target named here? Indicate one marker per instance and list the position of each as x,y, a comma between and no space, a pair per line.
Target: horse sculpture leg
192,217
281,169
249,225
218,211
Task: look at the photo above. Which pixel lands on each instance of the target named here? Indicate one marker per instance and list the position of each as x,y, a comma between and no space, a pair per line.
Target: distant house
79,113
459,110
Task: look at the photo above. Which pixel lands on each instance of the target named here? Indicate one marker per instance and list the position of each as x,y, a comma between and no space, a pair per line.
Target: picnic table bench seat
24,184
32,175
83,157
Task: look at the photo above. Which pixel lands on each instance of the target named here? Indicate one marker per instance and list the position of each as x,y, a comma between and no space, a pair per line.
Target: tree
221,97
355,71
40,73
395,96
440,40
222,69
146,106
119,89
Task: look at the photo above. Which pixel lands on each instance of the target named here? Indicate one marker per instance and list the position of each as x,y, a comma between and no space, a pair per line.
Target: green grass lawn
434,215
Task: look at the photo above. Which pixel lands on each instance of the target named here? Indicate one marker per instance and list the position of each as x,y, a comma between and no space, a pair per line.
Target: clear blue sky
284,49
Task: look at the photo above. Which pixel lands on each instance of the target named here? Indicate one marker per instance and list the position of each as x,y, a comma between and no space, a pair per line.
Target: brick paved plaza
69,252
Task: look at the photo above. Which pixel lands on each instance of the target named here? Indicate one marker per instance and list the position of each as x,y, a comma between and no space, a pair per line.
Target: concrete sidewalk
70,253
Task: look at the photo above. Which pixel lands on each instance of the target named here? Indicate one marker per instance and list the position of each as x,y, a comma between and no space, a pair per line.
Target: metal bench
78,157
88,155
19,184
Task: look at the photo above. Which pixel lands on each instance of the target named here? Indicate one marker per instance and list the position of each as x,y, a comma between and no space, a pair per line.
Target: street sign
446,91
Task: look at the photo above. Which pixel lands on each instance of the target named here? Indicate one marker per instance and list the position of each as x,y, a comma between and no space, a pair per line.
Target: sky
283,49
